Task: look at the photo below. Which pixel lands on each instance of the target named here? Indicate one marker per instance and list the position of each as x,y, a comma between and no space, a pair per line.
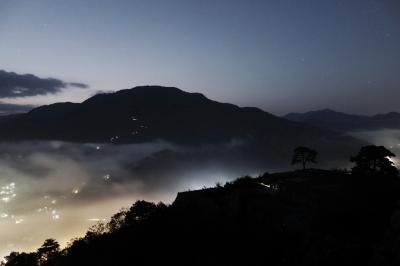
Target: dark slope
305,218
150,113
332,120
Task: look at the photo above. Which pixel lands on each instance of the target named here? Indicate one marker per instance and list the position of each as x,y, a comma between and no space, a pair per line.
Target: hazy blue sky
278,55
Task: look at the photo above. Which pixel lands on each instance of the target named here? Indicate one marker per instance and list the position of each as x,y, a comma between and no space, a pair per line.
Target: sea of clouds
58,190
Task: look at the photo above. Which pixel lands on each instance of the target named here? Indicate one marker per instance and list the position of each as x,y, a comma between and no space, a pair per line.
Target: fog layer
58,190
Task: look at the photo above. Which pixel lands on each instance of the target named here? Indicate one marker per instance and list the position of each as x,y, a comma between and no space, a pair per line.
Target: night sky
281,56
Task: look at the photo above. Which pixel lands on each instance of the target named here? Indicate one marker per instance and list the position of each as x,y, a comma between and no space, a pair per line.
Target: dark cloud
8,108
13,85
78,85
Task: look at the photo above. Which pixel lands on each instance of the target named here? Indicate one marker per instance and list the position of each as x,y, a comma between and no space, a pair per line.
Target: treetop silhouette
374,160
304,155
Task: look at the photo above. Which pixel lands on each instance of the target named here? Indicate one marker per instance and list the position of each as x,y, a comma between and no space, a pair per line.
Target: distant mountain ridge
145,113
338,121
149,113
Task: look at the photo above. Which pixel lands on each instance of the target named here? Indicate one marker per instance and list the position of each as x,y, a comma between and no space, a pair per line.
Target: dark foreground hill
337,121
149,113
311,217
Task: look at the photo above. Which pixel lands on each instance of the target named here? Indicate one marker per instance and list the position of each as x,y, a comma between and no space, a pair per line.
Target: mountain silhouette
149,113
337,121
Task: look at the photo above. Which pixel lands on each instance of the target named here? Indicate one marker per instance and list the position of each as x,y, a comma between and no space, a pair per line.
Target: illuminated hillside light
393,160
96,220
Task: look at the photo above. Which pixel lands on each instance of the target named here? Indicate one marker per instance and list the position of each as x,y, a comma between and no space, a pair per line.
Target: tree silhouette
117,220
141,211
48,251
374,160
20,259
304,155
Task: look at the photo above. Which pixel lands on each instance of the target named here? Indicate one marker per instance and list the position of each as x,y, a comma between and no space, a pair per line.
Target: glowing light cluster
13,218
55,215
50,208
17,220
7,192
115,138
